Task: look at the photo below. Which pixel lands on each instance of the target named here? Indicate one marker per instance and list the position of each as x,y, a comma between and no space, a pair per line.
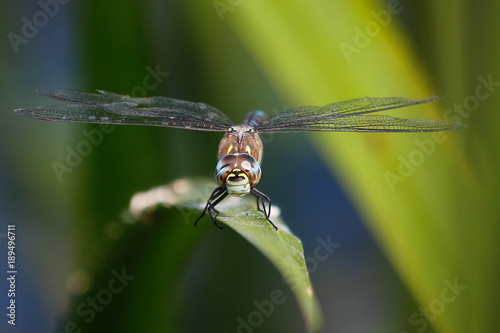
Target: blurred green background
415,215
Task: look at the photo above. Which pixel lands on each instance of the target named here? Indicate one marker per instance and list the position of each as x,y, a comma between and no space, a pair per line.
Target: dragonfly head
238,173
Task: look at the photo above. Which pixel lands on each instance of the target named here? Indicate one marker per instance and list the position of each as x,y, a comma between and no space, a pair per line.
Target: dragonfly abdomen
254,118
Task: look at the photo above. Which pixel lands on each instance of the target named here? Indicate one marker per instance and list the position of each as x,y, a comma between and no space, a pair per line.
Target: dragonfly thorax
241,140
237,173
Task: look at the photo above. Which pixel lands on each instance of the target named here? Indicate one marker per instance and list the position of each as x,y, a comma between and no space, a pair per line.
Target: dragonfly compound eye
238,173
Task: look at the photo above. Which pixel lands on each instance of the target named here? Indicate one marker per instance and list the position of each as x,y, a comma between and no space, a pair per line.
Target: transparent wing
109,108
351,116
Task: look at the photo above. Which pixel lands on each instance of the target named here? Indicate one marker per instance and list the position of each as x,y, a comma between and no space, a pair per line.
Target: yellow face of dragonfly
237,173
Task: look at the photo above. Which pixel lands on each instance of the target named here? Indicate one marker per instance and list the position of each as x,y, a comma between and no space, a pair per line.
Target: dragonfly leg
260,201
217,196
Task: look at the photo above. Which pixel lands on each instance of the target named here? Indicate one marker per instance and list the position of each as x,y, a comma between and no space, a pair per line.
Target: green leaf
281,247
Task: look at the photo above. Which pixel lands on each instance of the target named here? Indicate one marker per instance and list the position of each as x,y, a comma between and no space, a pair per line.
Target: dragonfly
238,169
